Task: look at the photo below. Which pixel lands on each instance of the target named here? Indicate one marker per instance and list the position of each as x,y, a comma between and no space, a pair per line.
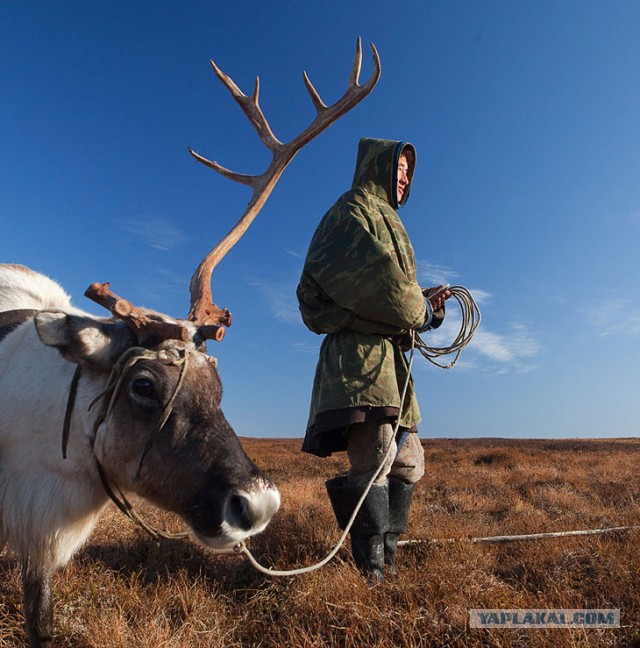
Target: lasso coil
470,320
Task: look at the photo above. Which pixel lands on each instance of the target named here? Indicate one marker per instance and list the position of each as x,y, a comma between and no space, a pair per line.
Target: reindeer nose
251,511
238,512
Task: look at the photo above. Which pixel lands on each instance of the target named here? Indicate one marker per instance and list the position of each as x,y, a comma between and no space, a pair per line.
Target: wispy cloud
156,233
280,298
306,347
158,286
434,274
615,316
511,350
480,296
297,255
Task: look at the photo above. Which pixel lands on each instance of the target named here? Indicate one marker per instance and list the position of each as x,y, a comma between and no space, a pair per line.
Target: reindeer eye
143,387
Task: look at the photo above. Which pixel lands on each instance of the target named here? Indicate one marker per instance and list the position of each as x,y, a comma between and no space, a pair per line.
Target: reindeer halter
108,399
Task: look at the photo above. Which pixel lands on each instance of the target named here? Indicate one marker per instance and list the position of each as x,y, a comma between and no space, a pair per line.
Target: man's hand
437,296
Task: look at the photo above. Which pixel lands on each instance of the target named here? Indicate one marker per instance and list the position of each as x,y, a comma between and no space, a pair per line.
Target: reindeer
95,408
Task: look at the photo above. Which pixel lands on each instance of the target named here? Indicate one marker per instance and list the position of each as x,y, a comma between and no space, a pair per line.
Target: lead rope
471,317
523,537
242,547
470,321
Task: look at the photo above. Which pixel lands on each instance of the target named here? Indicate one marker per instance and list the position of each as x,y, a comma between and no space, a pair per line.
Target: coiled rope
470,315
470,321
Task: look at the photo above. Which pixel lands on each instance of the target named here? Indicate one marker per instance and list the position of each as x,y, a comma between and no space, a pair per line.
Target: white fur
48,505
21,287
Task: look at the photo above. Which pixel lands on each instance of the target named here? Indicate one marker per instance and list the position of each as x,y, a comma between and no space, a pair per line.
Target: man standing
359,288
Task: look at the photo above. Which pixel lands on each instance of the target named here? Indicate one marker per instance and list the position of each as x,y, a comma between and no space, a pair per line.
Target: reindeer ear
82,339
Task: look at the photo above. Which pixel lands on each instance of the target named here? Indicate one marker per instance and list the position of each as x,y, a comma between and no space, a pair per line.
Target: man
358,287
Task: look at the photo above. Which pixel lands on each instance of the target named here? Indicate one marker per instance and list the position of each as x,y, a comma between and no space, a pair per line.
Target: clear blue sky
525,116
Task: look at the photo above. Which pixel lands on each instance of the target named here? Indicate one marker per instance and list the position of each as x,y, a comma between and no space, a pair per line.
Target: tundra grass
124,590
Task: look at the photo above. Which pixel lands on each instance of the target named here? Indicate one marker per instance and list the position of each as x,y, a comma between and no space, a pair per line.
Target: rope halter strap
108,398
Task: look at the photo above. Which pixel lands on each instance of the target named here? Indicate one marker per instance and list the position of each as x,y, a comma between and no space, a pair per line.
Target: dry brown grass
124,590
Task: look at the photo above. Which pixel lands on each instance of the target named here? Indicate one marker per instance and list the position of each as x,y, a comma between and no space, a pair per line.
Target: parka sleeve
359,274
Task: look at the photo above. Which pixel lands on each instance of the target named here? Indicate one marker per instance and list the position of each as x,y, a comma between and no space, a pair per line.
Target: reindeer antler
203,311
207,317
148,329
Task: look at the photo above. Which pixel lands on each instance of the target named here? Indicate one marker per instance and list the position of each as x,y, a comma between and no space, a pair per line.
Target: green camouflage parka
359,287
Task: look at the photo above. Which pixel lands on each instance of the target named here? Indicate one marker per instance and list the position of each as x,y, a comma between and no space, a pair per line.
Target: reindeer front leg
38,605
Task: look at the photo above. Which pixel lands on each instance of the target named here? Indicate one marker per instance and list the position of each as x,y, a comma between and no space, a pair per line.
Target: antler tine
242,178
147,329
203,311
354,94
313,93
251,108
357,64
353,78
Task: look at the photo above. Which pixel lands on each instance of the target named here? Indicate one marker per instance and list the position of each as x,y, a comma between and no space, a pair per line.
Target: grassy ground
124,590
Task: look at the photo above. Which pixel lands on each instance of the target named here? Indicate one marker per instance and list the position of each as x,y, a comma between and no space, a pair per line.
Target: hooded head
377,168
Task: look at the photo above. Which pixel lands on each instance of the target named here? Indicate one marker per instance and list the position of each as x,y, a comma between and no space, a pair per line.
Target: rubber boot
369,526
400,494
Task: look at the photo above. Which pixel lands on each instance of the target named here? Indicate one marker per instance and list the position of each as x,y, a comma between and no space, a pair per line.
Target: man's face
403,177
